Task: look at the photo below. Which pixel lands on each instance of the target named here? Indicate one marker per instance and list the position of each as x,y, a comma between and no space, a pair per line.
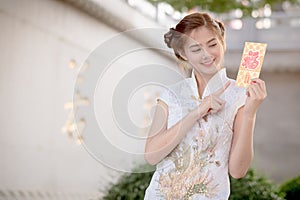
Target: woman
203,126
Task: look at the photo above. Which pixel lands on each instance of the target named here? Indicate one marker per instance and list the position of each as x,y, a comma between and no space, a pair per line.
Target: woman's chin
209,69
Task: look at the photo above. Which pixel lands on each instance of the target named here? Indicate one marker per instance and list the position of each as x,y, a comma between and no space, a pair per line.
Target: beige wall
38,39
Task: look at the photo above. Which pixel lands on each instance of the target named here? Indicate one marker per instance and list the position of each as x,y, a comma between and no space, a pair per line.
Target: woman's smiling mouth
208,63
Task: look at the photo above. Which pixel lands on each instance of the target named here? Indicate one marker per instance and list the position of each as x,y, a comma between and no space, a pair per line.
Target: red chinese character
250,61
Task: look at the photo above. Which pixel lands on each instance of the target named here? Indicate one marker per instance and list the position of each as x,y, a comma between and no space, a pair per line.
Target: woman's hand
256,93
213,103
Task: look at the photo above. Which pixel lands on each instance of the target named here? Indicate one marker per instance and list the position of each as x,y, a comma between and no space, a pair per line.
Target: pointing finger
222,89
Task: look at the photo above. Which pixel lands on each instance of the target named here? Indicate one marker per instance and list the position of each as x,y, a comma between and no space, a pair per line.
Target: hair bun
169,36
221,27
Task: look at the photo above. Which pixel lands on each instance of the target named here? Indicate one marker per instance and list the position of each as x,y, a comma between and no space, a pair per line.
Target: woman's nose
205,54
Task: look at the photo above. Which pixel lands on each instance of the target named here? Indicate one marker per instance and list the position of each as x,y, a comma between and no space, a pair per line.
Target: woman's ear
182,55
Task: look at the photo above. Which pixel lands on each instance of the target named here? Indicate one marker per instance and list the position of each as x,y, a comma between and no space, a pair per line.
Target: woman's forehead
201,35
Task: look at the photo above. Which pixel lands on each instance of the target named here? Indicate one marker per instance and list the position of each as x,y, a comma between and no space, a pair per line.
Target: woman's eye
212,45
196,50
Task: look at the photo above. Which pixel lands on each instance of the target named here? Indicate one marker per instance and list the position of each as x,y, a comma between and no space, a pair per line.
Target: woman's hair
176,37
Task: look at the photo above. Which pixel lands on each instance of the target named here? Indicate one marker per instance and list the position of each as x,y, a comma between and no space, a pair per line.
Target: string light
71,127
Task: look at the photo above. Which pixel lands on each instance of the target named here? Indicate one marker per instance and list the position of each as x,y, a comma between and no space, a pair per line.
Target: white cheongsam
197,169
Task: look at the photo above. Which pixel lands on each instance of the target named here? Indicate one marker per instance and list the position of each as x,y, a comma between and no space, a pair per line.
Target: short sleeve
164,96
240,99
170,96
236,98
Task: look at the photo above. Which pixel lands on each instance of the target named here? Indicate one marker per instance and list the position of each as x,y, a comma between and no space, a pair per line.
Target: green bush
130,186
291,188
251,187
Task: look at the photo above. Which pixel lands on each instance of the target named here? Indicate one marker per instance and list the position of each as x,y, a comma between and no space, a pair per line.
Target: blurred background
44,43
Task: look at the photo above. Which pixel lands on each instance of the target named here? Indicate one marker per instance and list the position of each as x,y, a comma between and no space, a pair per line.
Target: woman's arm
161,141
241,153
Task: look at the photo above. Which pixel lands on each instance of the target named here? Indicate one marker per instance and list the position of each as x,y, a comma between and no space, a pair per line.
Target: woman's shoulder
172,93
178,87
184,82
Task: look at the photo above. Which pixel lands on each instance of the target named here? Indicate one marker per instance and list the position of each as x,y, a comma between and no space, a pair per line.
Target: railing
44,195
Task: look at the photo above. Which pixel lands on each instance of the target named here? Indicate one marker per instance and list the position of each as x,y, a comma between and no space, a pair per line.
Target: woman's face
204,51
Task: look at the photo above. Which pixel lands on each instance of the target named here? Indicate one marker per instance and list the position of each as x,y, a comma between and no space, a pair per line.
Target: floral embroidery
250,61
190,177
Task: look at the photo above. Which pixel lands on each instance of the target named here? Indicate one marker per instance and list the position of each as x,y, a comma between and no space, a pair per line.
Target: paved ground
277,132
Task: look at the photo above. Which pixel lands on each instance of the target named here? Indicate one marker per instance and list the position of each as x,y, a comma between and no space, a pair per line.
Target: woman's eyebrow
210,40
197,45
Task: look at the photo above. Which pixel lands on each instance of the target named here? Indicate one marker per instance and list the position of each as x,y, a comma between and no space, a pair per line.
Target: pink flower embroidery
250,61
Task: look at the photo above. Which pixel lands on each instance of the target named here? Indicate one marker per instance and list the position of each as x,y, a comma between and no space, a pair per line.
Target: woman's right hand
213,103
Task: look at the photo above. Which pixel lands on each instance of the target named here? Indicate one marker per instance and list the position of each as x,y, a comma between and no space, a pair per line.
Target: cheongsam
197,168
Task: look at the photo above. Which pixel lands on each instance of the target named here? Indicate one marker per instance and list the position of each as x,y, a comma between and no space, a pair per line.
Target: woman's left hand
256,93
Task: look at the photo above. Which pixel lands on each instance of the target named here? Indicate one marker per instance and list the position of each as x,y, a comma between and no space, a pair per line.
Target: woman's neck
202,81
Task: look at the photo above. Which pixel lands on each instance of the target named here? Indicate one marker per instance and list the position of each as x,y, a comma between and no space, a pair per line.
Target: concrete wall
38,39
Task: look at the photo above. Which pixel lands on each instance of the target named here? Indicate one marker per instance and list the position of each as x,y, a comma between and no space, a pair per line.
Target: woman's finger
258,91
217,99
222,89
260,82
218,105
251,92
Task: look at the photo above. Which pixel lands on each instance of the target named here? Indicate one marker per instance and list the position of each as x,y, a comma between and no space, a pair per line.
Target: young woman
203,126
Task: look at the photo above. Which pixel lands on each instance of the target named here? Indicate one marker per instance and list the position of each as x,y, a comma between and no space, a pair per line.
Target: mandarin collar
215,83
